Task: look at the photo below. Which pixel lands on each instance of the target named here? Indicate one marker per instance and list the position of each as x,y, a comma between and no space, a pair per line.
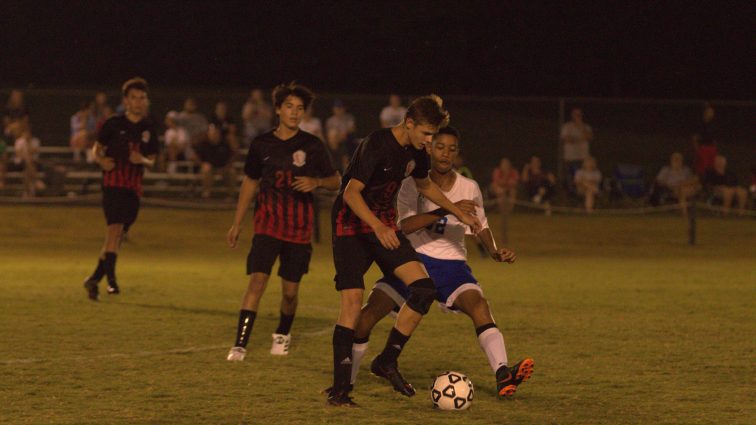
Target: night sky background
624,49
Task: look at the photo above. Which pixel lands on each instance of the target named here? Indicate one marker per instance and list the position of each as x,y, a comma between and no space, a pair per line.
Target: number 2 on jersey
283,178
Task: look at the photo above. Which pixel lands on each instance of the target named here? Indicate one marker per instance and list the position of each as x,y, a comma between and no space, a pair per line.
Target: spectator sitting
504,180
576,136
225,123
461,168
80,134
538,183
100,112
393,113
214,154
257,115
193,121
311,124
176,142
587,182
705,143
15,115
678,181
724,184
26,159
340,127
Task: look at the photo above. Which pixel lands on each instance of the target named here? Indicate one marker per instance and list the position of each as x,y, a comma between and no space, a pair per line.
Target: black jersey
381,163
281,211
120,137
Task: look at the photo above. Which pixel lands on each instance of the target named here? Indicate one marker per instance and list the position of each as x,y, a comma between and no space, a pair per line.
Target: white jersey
444,239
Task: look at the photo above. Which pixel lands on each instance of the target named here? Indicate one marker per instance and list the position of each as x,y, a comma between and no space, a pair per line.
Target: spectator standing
225,123
678,181
215,156
257,115
724,183
393,113
311,124
576,136
340,127
588,183
705,142
193,121
15,114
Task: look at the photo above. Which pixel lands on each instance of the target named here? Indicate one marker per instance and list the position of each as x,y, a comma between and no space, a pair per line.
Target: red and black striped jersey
120,137
381,163
281,211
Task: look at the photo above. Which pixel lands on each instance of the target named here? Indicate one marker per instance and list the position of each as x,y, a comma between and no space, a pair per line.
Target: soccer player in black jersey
286,164
125,145
364,231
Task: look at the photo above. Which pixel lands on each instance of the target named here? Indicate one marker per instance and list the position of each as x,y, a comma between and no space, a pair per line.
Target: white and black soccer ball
452,391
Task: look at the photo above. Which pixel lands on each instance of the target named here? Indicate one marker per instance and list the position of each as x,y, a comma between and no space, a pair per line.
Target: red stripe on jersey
310,216
291,231
300,215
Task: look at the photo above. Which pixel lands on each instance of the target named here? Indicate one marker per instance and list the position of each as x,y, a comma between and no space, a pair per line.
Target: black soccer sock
284,324
109,265
244,328
99,271
342,357
363,340
394,346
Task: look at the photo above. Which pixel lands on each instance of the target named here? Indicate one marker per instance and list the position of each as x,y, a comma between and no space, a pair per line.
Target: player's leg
262,255
351,261
473,304
295,262
383,299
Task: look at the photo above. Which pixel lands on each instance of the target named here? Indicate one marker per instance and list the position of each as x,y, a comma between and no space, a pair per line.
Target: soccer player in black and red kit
286,164
125,145
365,231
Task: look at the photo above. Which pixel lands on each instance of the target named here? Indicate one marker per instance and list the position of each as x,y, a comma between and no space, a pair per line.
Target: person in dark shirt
724,183
286,164
16,114
126,144
215,156
705,142
365,231
223,121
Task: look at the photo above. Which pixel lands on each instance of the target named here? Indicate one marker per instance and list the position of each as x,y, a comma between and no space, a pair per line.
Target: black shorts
353,256
121,206
295,257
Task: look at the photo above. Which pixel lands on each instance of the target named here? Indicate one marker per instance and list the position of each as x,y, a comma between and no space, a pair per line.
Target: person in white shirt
588,181
311,124
26,159
576,136
393,113
176,142
439,239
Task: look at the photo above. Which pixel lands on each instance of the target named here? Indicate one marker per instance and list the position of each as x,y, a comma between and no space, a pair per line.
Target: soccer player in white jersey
439,239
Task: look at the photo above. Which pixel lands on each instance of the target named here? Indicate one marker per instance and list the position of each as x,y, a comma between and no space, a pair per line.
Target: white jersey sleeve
480,211
407,201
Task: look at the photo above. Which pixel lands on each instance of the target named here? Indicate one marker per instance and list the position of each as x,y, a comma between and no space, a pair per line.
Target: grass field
626,323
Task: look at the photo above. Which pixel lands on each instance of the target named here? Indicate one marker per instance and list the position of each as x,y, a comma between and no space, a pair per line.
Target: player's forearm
486,238
149,161
433,193
246,193
357,204
330,183
420,221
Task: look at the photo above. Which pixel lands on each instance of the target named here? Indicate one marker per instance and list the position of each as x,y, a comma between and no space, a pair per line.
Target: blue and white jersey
444,239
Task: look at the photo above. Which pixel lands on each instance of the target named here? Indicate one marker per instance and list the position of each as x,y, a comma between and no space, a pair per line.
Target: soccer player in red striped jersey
125,145
365,231
283,167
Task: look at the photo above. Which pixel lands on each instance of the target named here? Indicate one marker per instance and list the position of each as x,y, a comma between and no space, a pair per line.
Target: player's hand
471,221
136,158
503,255
232,237
467,206
305,184
387,236
107,163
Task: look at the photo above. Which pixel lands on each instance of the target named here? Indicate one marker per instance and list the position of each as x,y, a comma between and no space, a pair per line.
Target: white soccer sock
492,343
358,352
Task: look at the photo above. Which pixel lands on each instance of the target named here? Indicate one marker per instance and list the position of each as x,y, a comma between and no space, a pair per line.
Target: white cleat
280,345
236,354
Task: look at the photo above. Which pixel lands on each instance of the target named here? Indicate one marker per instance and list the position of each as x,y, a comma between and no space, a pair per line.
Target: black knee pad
422,294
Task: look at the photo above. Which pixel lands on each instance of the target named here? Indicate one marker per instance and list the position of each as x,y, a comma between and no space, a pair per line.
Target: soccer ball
452,391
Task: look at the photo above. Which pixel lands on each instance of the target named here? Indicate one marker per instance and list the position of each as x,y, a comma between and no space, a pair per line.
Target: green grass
626,323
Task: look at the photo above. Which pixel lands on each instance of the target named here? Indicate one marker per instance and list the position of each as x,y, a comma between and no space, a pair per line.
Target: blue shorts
451,277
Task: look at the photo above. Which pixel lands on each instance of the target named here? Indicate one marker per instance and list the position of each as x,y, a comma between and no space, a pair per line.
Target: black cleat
113,288
508,379
391,373
329,390
341,399
92,292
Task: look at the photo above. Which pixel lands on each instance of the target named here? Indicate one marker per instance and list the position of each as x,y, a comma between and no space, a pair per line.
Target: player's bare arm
308,184
500,255
246,193
355,201
429,189
139,159
106,163
420,221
